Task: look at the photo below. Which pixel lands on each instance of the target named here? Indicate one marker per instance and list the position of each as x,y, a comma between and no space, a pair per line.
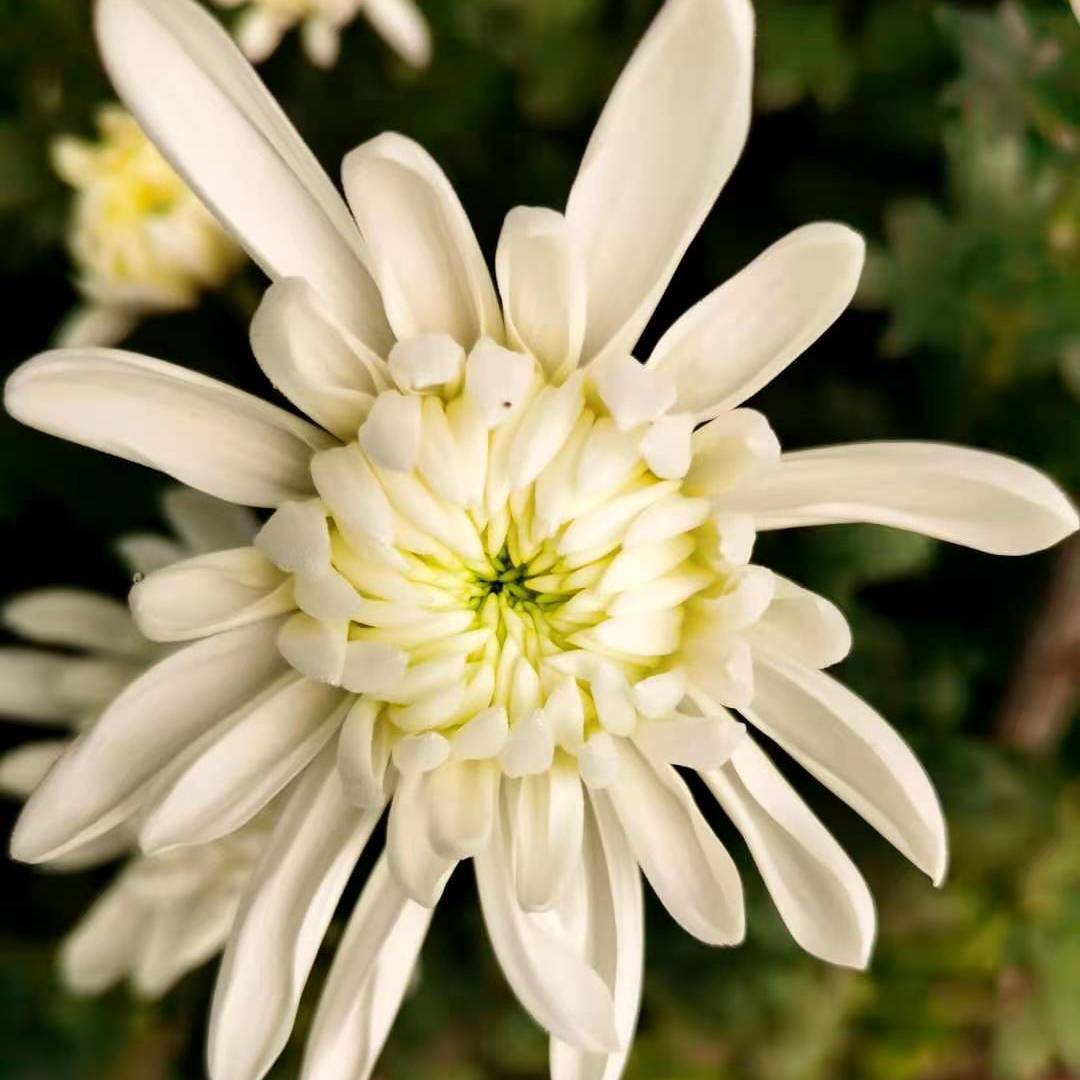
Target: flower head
163,914
506,587
265,22
140,240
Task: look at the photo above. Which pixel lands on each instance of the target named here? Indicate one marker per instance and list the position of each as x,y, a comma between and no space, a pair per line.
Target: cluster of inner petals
510,568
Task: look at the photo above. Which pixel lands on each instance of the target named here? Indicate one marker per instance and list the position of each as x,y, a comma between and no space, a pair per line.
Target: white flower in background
263,24
140,240
506,589
164,914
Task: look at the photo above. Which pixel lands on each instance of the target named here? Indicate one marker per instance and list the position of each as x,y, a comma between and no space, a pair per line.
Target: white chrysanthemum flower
263,24
140,240
506,588
164,914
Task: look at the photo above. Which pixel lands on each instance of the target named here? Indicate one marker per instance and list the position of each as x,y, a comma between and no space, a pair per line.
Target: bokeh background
949,134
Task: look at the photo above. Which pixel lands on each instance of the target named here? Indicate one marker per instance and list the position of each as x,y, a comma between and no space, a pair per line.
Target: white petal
143,553
855,753
259,31
100,781
29,687
802,626
355,497
312,361
314,647
417,754
550,978
95,325
202,432
321,40
542,280
666,142
598,761
461,799
671,516
740,601
667,446
296,538
22,769
284,916
367,981
102,948
401,24
721,666
172,63
372,667
76,618
239,768
529,748
390,435
818,891
610,916
364,754
658,696
545,819
426,362
564,711
613,701
696,742
430,269
743,334
544,430
982,500
417,867
686,864
210,593
632,394
206,524
735,447
482,737
497,380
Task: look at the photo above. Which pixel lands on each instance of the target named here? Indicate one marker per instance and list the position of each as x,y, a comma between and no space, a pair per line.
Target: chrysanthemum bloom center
503,563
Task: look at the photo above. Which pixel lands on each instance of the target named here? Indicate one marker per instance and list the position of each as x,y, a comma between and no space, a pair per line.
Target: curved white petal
401,24
817,889
22,769
239,767
542,280
143,553
30,686
607,911
206,524
312,361
461,798
103,947
551,979
102,778
426,259
364,754
418,868
367,981
667,140
687,866
546,817
282,920
971,497
200,431
210,593
802,626
743,334
76,618
853,751
207,111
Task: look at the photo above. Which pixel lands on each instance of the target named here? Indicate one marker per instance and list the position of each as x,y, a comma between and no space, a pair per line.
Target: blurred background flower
947,135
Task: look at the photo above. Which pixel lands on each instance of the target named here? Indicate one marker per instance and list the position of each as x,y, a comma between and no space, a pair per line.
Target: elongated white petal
283,918
542,280
686,864
802,626
743,334
816,888
735,447
209,594
236,771
101,779
550,977
971,497
22,769
418,868
666,142
313,361
461,799
102,948
206,524
545,821
200,431
367,981
401,24
854,752
607,910
696,742
207,111
143,553
364,754
76,618
29,686
426,259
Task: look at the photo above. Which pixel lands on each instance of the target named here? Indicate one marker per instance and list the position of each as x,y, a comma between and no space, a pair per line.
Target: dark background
950,136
